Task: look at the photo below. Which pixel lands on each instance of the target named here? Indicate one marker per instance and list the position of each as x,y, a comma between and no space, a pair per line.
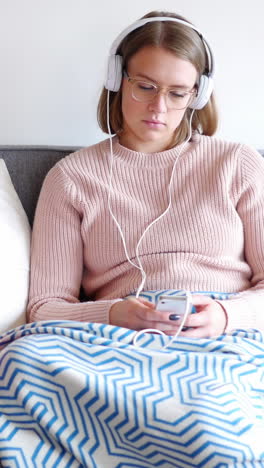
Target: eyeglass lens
145,92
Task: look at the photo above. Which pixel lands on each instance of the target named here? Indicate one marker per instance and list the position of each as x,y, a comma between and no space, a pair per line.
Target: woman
211,239
163,206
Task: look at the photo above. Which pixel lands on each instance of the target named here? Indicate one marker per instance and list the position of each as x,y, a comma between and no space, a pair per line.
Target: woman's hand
138,314
209,320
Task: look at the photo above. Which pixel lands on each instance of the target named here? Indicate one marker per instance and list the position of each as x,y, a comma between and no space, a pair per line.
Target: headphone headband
115,62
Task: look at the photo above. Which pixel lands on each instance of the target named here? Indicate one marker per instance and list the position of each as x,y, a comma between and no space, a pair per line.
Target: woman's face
149,126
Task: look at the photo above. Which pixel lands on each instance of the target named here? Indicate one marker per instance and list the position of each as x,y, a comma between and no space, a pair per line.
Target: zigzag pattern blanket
78,394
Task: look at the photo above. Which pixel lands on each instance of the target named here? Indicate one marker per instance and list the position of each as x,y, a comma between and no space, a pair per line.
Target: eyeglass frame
158,88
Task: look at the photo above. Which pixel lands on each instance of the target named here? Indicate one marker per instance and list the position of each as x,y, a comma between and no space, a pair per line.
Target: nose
159,103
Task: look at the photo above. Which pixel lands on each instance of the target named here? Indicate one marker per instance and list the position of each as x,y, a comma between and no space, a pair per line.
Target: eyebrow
181,86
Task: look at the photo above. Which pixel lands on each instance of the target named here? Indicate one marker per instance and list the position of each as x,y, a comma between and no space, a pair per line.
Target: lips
152,121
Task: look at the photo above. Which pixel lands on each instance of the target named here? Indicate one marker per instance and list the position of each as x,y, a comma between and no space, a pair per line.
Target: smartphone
175,304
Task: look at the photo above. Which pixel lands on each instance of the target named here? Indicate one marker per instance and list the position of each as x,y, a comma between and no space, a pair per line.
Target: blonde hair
186,44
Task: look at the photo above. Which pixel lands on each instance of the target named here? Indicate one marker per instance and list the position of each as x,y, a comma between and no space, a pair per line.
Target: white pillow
14,255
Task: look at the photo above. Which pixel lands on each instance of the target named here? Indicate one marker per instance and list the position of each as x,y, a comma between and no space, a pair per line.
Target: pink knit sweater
212,238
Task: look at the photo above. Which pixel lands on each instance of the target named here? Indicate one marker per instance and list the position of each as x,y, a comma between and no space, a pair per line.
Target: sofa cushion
14,255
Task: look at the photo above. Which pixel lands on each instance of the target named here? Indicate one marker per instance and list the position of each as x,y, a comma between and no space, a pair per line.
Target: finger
165,327
170,332
199,332
149,316
174,331
146,303
161,326
162,316
198,319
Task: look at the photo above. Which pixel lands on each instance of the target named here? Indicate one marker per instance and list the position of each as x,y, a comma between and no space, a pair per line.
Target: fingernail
174,317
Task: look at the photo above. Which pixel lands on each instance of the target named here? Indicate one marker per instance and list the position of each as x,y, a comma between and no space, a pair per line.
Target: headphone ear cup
204,92
114,73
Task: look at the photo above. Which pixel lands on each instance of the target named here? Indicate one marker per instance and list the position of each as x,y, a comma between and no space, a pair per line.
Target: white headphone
115,62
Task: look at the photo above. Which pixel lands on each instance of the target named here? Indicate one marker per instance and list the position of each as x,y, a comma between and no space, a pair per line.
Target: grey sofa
28,166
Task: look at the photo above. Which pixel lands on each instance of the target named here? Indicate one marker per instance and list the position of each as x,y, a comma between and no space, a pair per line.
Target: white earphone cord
139,266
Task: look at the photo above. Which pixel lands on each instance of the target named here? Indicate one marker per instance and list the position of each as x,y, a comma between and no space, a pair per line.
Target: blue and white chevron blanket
76,394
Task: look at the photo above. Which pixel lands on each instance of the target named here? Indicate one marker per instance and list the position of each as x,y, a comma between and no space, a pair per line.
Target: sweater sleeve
57,256
246,309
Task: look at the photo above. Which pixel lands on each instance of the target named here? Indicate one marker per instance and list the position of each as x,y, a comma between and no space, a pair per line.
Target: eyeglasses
143,91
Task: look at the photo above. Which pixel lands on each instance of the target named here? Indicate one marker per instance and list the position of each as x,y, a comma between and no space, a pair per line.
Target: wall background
53,57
